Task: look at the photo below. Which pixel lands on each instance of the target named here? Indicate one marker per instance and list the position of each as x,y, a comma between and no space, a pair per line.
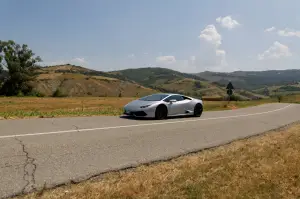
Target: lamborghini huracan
164,105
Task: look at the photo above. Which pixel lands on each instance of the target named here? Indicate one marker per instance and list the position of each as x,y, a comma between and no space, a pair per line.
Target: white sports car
163,105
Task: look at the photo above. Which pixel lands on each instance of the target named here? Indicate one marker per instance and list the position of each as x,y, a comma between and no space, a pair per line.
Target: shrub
279,98
197,84
235,98
213,98
36,94
20,94
58,93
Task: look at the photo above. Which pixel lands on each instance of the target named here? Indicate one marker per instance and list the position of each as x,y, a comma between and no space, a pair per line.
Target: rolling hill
252,80
168,80
282,90
73,80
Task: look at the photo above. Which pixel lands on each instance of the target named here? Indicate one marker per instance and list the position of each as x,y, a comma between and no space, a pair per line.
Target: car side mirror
172,101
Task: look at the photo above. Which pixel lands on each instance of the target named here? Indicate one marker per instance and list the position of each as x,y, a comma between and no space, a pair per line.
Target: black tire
161,112
198,110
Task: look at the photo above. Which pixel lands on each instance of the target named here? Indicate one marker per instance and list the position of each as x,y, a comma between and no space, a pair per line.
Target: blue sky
189,36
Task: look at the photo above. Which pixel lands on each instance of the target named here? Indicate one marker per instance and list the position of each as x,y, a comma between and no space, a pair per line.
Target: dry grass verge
27,107
265,166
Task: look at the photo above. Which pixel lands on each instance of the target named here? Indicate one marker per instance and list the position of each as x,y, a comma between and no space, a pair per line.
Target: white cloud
212,56
227,22
270,29
131,56
287,32
192,58
211,35
53,63
166,59
222,57
277,50
79,60
220,52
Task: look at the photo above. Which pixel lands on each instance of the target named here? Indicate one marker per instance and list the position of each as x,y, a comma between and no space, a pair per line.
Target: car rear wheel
161,112
198,110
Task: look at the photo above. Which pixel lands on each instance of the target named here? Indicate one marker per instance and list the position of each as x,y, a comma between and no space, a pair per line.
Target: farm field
24,107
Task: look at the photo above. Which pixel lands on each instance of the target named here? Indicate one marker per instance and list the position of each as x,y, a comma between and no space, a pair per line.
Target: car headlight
145,106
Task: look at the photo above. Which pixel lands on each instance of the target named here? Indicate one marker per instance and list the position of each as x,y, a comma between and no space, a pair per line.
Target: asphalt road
38,152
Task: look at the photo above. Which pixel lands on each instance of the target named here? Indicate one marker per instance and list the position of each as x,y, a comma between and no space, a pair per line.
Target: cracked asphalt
29,168
52,151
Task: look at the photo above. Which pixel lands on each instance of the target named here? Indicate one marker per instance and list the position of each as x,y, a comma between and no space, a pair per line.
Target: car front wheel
198,110
161,112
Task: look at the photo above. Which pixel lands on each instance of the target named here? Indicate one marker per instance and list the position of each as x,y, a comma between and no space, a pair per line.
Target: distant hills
168,80
74,80
251,80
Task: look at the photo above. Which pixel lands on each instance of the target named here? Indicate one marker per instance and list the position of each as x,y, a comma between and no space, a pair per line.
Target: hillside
153,75
75,81
168,80
78,81
253,79
282,90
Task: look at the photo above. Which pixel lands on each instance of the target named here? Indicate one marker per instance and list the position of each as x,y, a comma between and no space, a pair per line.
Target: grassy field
24,107
265,166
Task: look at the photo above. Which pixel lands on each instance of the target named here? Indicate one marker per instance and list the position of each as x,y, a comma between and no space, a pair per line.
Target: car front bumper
136,113
147,112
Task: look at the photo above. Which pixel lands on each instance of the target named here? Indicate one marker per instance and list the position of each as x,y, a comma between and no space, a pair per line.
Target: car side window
186,98
176,97
170,98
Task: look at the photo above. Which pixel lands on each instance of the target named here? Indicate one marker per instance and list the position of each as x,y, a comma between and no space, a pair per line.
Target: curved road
38,152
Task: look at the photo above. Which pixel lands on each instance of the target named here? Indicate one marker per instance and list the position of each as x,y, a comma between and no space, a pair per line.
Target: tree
229,89
20,63
266,91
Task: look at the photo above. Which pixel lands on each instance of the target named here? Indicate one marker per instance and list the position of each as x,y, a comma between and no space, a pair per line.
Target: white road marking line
139,125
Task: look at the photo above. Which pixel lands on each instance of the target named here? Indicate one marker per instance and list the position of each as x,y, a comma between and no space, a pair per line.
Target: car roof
167,94
170,94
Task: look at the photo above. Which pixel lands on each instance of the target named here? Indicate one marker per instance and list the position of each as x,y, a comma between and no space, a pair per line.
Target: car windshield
155,97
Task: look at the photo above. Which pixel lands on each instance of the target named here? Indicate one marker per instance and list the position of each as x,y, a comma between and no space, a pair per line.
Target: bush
213,98
58,93
20,94
235,98
36,94
197,84
279,98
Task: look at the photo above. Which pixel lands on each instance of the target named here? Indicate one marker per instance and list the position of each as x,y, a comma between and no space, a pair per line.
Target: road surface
38,152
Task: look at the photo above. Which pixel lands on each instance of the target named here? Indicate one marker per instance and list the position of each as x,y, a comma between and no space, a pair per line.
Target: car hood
139,103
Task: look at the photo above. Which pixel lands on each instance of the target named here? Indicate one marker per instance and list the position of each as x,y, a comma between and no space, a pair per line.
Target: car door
178,107
187,103
182,104
171,105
